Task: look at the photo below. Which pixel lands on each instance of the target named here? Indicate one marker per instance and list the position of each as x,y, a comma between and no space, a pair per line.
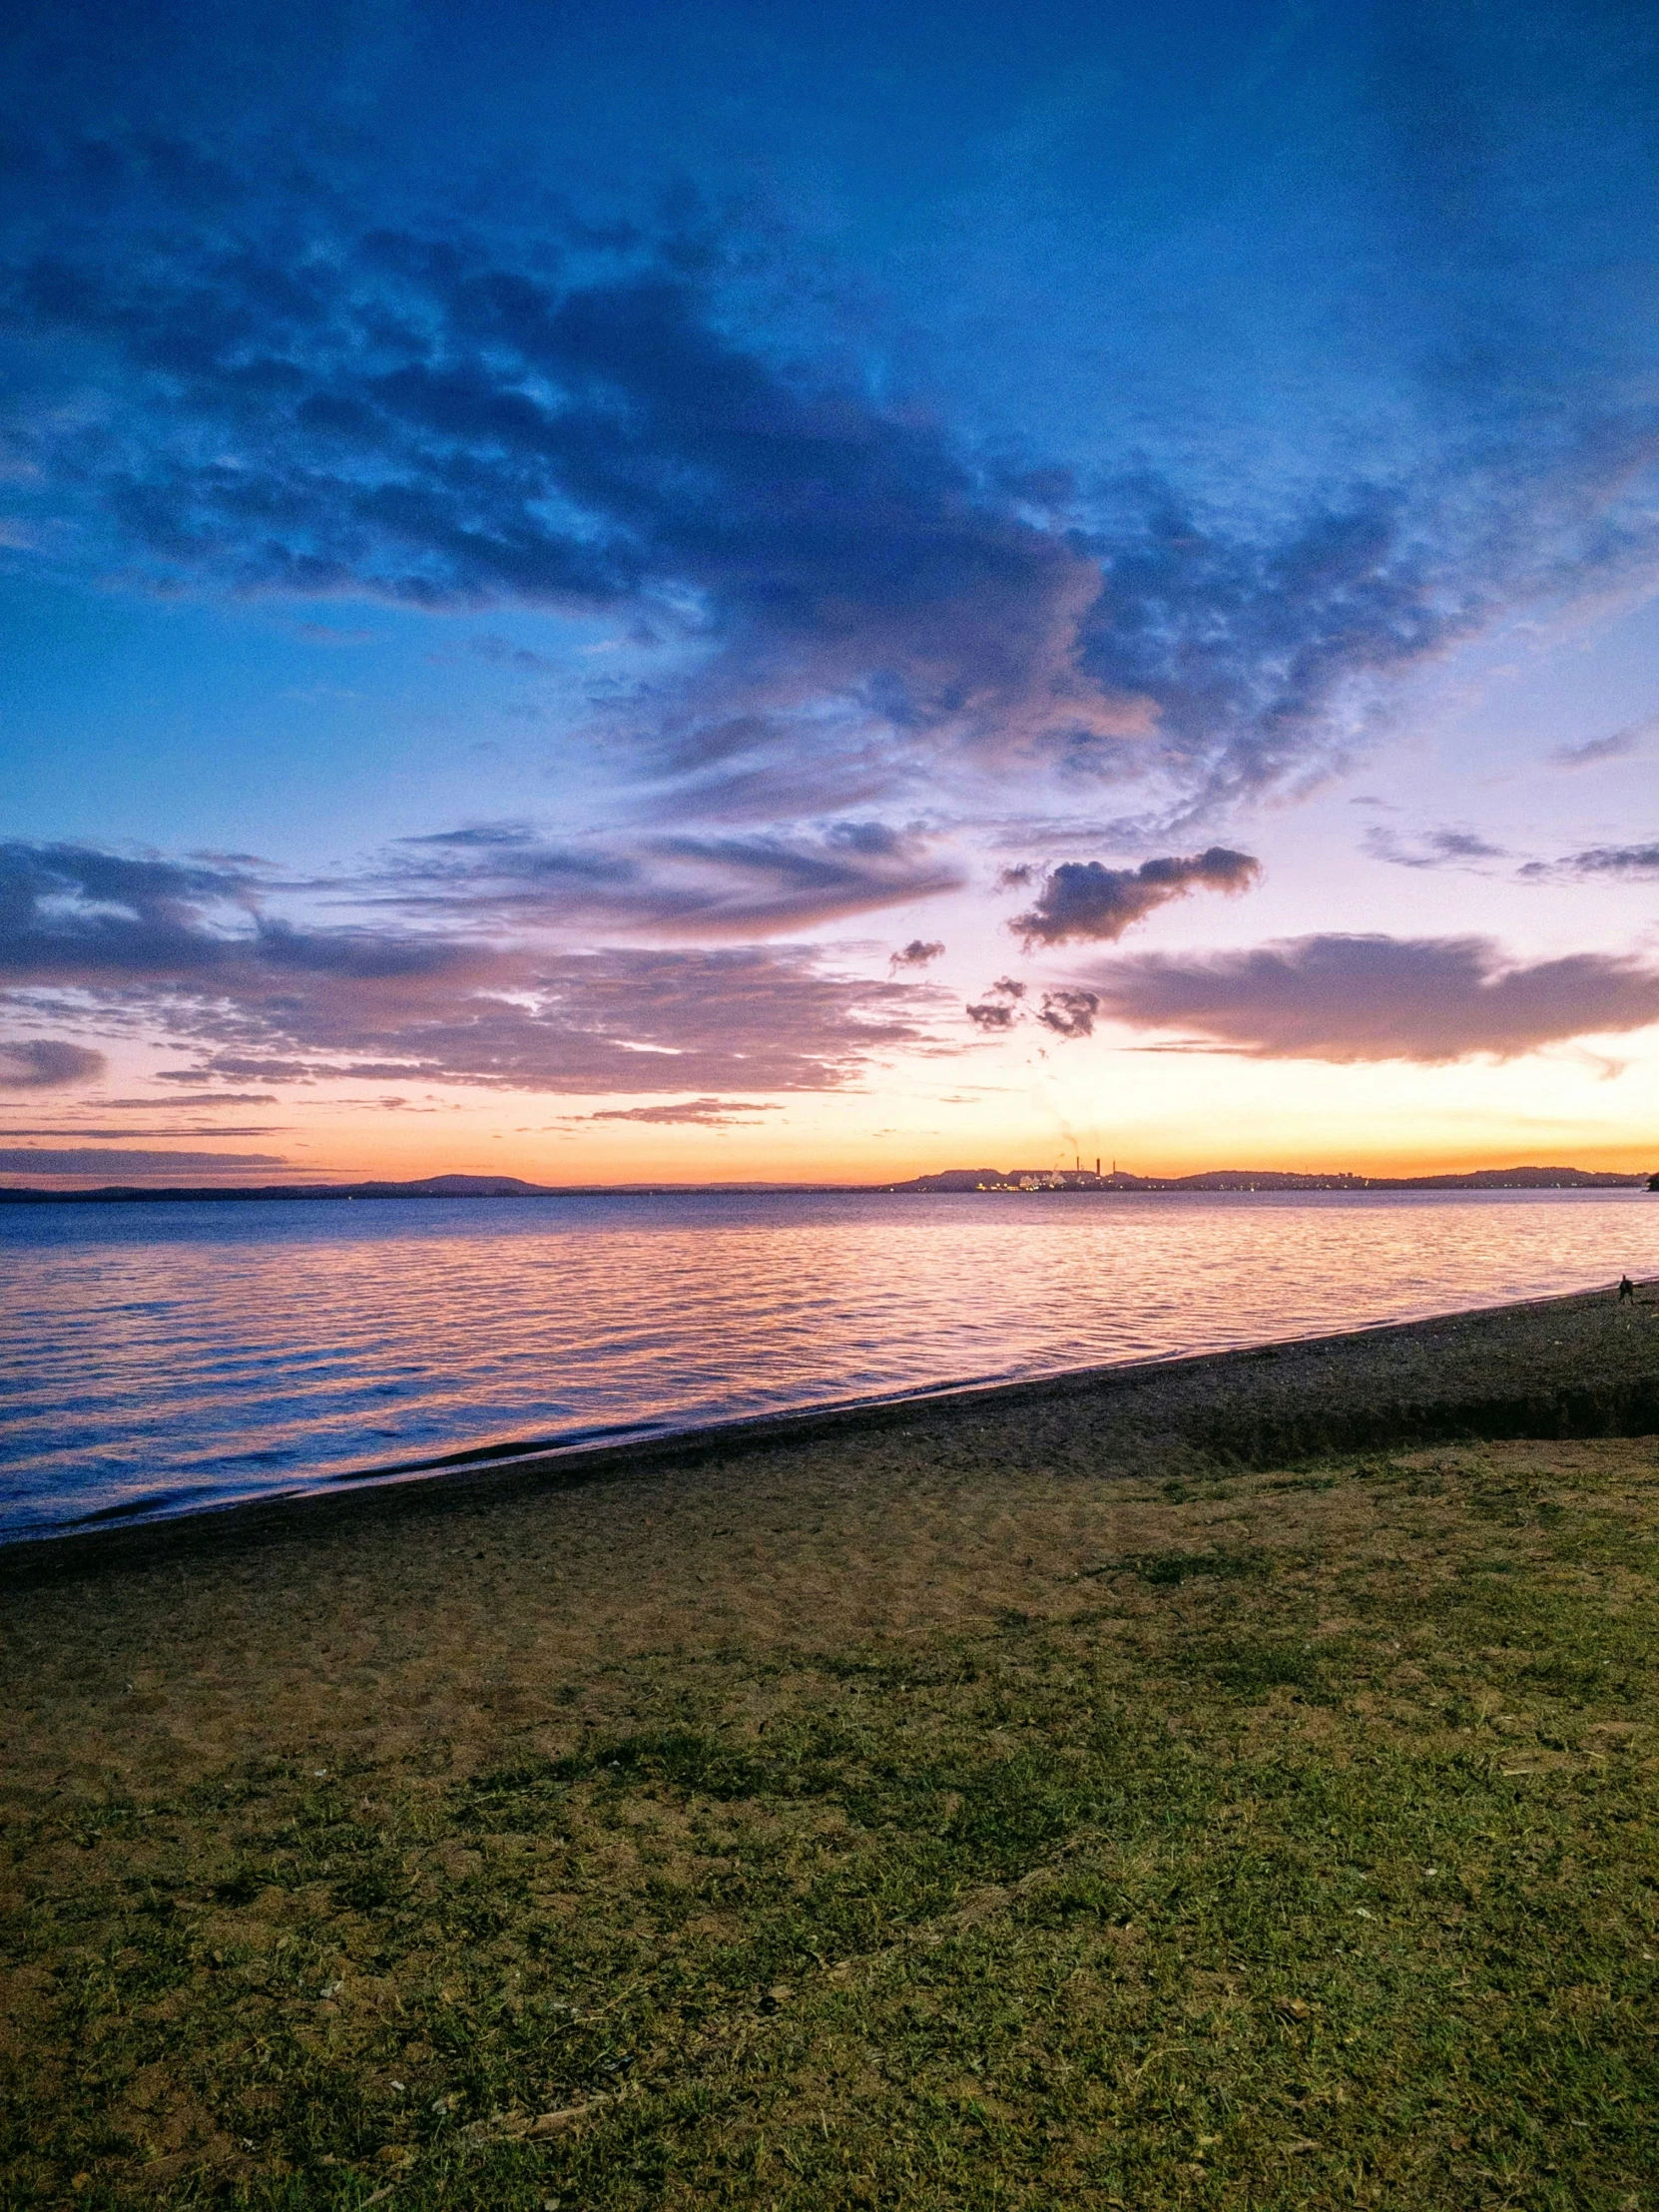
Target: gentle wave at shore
167,1359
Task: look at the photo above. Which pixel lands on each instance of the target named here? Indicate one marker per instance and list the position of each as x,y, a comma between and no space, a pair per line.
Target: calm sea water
162,1358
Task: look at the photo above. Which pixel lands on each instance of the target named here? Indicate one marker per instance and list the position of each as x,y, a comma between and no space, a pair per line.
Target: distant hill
949,1179
1269,1179
429,1186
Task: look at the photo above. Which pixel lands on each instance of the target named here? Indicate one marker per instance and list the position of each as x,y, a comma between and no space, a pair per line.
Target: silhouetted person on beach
1627,1290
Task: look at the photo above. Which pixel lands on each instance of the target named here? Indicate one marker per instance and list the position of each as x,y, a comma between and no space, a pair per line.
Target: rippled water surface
164,1357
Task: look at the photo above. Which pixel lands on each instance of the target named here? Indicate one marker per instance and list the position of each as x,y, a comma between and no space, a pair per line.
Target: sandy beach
249,1759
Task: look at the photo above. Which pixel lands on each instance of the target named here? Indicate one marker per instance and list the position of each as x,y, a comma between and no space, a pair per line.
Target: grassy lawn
1295,1845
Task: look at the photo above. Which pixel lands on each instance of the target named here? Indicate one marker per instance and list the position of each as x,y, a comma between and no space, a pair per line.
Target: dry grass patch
840,1830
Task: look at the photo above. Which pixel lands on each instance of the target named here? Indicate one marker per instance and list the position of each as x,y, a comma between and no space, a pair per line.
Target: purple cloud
679,887
1069,1013
264,1000
1618,744
1361,998
46,1064
1083,900
700,1113
1634,861
113,1165
1436,848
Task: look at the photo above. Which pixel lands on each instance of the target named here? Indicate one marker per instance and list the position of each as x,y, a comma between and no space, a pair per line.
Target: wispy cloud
46,1064
196,1098
1618,744
264,1000
700,1113
685,885
88,1134
118,1165
1637,862
1362,998
1433,848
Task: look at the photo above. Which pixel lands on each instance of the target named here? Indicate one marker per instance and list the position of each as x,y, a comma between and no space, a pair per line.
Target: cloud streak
694,1113
1369,998
1436,848
187,947
1636,863
46,1064
1618,744
113,1164
708,887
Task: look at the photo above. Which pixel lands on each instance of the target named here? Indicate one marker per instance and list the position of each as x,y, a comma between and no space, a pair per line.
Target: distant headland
1271,1179
1000,1181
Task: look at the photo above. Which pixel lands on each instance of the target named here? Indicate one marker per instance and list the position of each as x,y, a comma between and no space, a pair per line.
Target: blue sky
614,577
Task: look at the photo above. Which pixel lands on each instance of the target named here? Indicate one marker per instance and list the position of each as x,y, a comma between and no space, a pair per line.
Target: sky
754,592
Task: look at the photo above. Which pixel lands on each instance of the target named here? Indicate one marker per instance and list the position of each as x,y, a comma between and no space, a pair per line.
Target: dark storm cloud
1083,900
705,887
46,1064
266,1001
920,952
1358,998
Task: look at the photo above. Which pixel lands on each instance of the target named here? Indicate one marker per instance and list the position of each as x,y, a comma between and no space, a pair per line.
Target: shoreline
951,1183
511,1470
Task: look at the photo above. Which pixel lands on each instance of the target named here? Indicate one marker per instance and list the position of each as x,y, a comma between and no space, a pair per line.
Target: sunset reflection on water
163,1358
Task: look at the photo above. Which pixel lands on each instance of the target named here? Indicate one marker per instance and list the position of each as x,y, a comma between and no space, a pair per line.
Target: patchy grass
1287,1842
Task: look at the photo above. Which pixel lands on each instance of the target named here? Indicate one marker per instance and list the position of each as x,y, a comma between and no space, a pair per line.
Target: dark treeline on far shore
992,1179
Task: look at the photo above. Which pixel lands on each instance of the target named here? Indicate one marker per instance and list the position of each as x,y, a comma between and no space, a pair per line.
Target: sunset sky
630,592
